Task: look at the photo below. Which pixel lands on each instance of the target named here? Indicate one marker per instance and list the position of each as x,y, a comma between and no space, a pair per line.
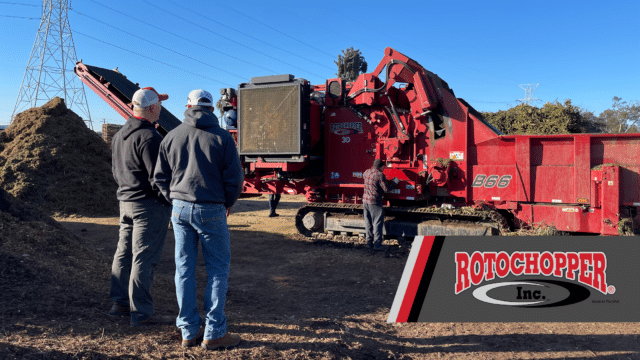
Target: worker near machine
230,118
375,185
199,171
274,199
144,213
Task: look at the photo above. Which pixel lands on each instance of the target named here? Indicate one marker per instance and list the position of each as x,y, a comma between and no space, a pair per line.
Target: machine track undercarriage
347,220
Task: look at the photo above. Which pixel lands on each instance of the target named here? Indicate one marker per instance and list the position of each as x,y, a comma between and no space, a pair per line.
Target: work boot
380,248
227,341
192,342
119,310
273,214
156,320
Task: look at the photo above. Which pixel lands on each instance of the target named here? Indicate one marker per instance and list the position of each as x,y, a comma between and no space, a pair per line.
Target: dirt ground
289,298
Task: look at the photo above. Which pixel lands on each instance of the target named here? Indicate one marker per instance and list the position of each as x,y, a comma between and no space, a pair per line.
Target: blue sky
585,51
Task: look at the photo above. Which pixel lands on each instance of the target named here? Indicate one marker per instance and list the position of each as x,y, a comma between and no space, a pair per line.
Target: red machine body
296,138
443,152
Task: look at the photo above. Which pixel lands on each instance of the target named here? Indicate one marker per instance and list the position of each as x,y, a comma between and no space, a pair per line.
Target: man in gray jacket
199,171
144,213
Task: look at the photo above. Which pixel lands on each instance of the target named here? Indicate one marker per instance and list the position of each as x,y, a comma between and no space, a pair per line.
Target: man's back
134,152
198,161
199,169
374,186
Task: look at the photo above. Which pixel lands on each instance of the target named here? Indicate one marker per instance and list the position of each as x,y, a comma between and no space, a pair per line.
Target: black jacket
198,161
134,151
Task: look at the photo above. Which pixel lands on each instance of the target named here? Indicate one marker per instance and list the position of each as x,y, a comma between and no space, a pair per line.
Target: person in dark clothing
199,171
144,213
274,199
375,185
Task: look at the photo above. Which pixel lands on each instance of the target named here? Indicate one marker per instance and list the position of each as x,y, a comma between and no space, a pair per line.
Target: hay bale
49,158
109,130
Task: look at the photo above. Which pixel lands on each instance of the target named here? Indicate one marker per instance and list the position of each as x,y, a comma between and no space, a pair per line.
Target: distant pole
49,72
528,93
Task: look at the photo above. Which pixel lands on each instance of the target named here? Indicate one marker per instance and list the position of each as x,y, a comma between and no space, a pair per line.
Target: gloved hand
396,180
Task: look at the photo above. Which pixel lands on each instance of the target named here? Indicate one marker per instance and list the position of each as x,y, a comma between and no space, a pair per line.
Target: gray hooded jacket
198,161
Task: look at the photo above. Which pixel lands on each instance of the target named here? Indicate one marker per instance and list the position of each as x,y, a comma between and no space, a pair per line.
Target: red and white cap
200,97
146,97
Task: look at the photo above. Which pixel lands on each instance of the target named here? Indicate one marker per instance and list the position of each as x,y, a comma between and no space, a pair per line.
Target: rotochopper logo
345,129
531,292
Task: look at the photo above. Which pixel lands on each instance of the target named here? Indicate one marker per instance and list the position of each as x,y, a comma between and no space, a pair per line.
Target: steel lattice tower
528,93
49,72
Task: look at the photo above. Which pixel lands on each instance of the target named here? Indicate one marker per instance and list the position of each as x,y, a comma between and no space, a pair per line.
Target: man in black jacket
144,213
199,171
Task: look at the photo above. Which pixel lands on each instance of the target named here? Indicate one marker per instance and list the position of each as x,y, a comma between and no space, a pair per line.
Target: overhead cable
150,58
227,38
158,45
184,38
287,35
10,3
250,36
20,17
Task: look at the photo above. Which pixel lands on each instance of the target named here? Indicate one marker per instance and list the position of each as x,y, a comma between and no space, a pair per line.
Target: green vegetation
552,118
351,64
622,117
565,118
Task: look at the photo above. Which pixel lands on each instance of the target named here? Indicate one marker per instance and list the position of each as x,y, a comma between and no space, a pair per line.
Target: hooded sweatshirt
198,161
134,153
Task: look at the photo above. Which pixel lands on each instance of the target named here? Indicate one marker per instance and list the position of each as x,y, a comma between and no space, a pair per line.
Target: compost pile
50,159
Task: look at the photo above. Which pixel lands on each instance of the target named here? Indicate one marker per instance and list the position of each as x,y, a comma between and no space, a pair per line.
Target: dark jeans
374,223
274,199
143,229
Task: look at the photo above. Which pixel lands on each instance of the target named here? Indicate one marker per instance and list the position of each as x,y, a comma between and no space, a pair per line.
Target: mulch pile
45,269
50,158
55,290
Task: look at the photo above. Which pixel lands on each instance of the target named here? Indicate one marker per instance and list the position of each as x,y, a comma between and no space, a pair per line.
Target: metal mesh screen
335,89
269,120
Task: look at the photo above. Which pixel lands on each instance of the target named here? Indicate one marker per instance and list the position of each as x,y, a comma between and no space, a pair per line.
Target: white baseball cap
146,97
196,95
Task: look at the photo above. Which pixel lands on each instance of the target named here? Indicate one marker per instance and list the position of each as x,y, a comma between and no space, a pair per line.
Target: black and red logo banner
525,278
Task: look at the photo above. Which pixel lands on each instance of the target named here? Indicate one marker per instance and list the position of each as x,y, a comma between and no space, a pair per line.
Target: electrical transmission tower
528,93
50,69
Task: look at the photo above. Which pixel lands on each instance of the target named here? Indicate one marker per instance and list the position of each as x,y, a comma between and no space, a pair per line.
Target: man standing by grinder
144,213
375,185
199,171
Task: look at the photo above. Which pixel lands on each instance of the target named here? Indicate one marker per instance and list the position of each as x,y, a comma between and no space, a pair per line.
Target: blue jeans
206,223
374,223
143,229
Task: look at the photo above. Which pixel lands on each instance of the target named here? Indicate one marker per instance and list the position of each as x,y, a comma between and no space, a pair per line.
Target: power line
184,38
503,80
233,40
158,45
289,36
152,59
252,37
20,17
490,102
9,3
